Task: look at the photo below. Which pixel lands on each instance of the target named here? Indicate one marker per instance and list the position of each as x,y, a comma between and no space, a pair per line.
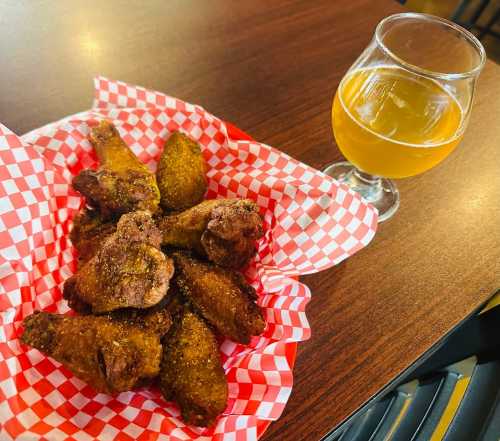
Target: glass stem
380,192
368,186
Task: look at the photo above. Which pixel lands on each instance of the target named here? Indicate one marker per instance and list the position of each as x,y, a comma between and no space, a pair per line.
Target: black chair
451,394
472,22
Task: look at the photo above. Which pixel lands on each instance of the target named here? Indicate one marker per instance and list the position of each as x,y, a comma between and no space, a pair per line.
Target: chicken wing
129,270
122,183
221,296
181,173
111,355
191,371
89,232
224,230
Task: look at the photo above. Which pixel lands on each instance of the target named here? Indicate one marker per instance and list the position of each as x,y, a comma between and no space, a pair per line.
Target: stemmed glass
404,104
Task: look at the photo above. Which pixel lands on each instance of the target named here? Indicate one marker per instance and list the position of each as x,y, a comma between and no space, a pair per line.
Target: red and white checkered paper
311,223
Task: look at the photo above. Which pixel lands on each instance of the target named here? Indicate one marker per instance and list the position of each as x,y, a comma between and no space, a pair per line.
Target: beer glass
403,106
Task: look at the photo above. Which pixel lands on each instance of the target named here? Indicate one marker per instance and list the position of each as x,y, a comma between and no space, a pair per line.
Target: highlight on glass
403,106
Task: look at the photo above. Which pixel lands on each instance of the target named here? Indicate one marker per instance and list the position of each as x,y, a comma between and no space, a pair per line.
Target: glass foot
380,192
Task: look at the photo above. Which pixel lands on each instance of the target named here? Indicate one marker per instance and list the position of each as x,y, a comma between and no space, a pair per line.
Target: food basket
311,223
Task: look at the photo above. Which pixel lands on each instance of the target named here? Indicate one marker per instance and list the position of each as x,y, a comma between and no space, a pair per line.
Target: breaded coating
231,233
121,183
89,232
191,371
175,302
129,270
156,320
184,230
111,356
221,296
224,230
181,173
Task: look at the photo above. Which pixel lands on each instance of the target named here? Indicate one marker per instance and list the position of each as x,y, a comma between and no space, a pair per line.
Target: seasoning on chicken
181,173
191,371
129,270
121,183
221,296
89,232
111,355
224,230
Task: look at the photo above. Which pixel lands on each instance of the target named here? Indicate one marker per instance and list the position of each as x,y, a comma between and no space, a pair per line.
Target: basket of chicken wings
149,272
136,321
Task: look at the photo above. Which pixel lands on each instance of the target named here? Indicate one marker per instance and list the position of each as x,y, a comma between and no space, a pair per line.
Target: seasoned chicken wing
89,232
122,183
221,296
191,371
110,355
181,173
129,270
224,230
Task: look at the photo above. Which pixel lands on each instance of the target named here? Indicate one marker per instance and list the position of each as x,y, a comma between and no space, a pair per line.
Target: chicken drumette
111,355
191,372
122,183
221,296
224,230
129,270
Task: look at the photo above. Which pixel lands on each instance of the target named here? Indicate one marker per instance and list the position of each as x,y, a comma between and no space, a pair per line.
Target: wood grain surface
272,68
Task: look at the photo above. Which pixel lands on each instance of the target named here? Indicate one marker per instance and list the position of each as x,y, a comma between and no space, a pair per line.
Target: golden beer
392,123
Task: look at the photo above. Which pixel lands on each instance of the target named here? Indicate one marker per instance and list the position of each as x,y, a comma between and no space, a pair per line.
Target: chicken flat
111,355
191,371
181,173
221,296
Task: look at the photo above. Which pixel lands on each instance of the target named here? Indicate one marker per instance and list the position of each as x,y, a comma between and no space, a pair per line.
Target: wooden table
272,69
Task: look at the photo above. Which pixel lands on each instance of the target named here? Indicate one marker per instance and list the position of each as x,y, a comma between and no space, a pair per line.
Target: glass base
380,192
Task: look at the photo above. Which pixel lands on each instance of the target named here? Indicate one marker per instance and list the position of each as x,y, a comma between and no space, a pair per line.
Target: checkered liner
311,223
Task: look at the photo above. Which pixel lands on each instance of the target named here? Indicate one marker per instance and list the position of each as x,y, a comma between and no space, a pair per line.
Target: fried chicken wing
122,183
111,355
224,230
89,232
129,270
191,371
221,296
181,173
